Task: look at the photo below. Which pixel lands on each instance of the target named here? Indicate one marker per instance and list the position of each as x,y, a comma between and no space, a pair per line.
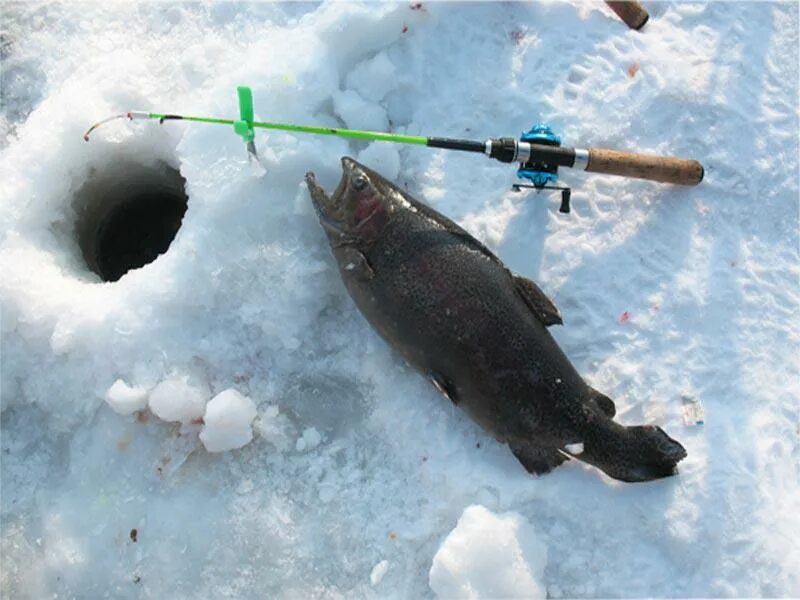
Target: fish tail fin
634,453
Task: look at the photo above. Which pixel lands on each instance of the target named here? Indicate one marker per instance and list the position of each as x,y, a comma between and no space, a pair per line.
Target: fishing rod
538,151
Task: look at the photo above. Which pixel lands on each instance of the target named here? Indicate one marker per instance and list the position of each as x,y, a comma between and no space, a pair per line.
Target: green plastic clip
244,126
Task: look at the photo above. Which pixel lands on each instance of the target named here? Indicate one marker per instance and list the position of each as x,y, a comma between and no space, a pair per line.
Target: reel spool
542,174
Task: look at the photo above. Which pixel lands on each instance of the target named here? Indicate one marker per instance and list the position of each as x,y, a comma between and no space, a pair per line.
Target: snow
227,421
489,555
373,78
356,458
351,107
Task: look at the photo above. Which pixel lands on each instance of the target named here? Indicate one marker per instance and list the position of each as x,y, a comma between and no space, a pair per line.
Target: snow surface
489,556
665,291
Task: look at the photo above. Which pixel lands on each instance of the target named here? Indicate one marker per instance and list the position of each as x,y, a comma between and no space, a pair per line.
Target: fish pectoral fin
538,459
353,262
444,385
541,306
604,403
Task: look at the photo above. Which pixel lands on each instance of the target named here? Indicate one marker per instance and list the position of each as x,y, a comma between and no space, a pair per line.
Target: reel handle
665,169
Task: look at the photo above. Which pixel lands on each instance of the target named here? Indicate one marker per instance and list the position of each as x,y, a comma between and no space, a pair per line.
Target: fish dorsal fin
541,306
603,402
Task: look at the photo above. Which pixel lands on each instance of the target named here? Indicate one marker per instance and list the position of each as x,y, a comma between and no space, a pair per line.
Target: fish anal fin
604,403
444,385
538,459
541,306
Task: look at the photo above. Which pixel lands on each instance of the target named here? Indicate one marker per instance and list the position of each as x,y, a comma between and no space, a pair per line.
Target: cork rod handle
631,12
643,166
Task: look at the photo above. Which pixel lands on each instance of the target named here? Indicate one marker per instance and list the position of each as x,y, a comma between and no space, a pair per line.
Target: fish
479,332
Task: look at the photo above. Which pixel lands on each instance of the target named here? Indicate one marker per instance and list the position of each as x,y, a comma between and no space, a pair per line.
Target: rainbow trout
479,332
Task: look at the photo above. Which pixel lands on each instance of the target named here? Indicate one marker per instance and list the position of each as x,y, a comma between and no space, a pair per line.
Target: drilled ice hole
128,215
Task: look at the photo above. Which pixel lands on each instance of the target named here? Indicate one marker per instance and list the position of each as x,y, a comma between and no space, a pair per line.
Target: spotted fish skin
454,311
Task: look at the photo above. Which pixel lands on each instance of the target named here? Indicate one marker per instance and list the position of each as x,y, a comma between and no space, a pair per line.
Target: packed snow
359,476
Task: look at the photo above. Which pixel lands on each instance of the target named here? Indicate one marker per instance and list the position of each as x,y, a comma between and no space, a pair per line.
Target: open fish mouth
327,206
315,189
324,205
320,200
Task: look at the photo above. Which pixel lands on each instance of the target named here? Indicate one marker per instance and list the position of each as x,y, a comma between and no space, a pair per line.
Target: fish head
359,207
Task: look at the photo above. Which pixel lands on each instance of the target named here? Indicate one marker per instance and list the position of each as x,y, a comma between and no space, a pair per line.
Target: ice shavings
274,427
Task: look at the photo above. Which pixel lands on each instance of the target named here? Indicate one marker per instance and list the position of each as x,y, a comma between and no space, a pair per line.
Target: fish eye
359,182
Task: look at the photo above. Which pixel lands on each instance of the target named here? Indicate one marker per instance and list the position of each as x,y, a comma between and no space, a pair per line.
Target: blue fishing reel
542,175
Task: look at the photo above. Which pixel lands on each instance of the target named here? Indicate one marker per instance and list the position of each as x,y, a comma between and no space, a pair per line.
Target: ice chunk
227,421
489,555
125,399
175,399
378,571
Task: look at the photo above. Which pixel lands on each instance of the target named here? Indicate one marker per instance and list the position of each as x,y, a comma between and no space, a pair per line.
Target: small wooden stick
630,11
